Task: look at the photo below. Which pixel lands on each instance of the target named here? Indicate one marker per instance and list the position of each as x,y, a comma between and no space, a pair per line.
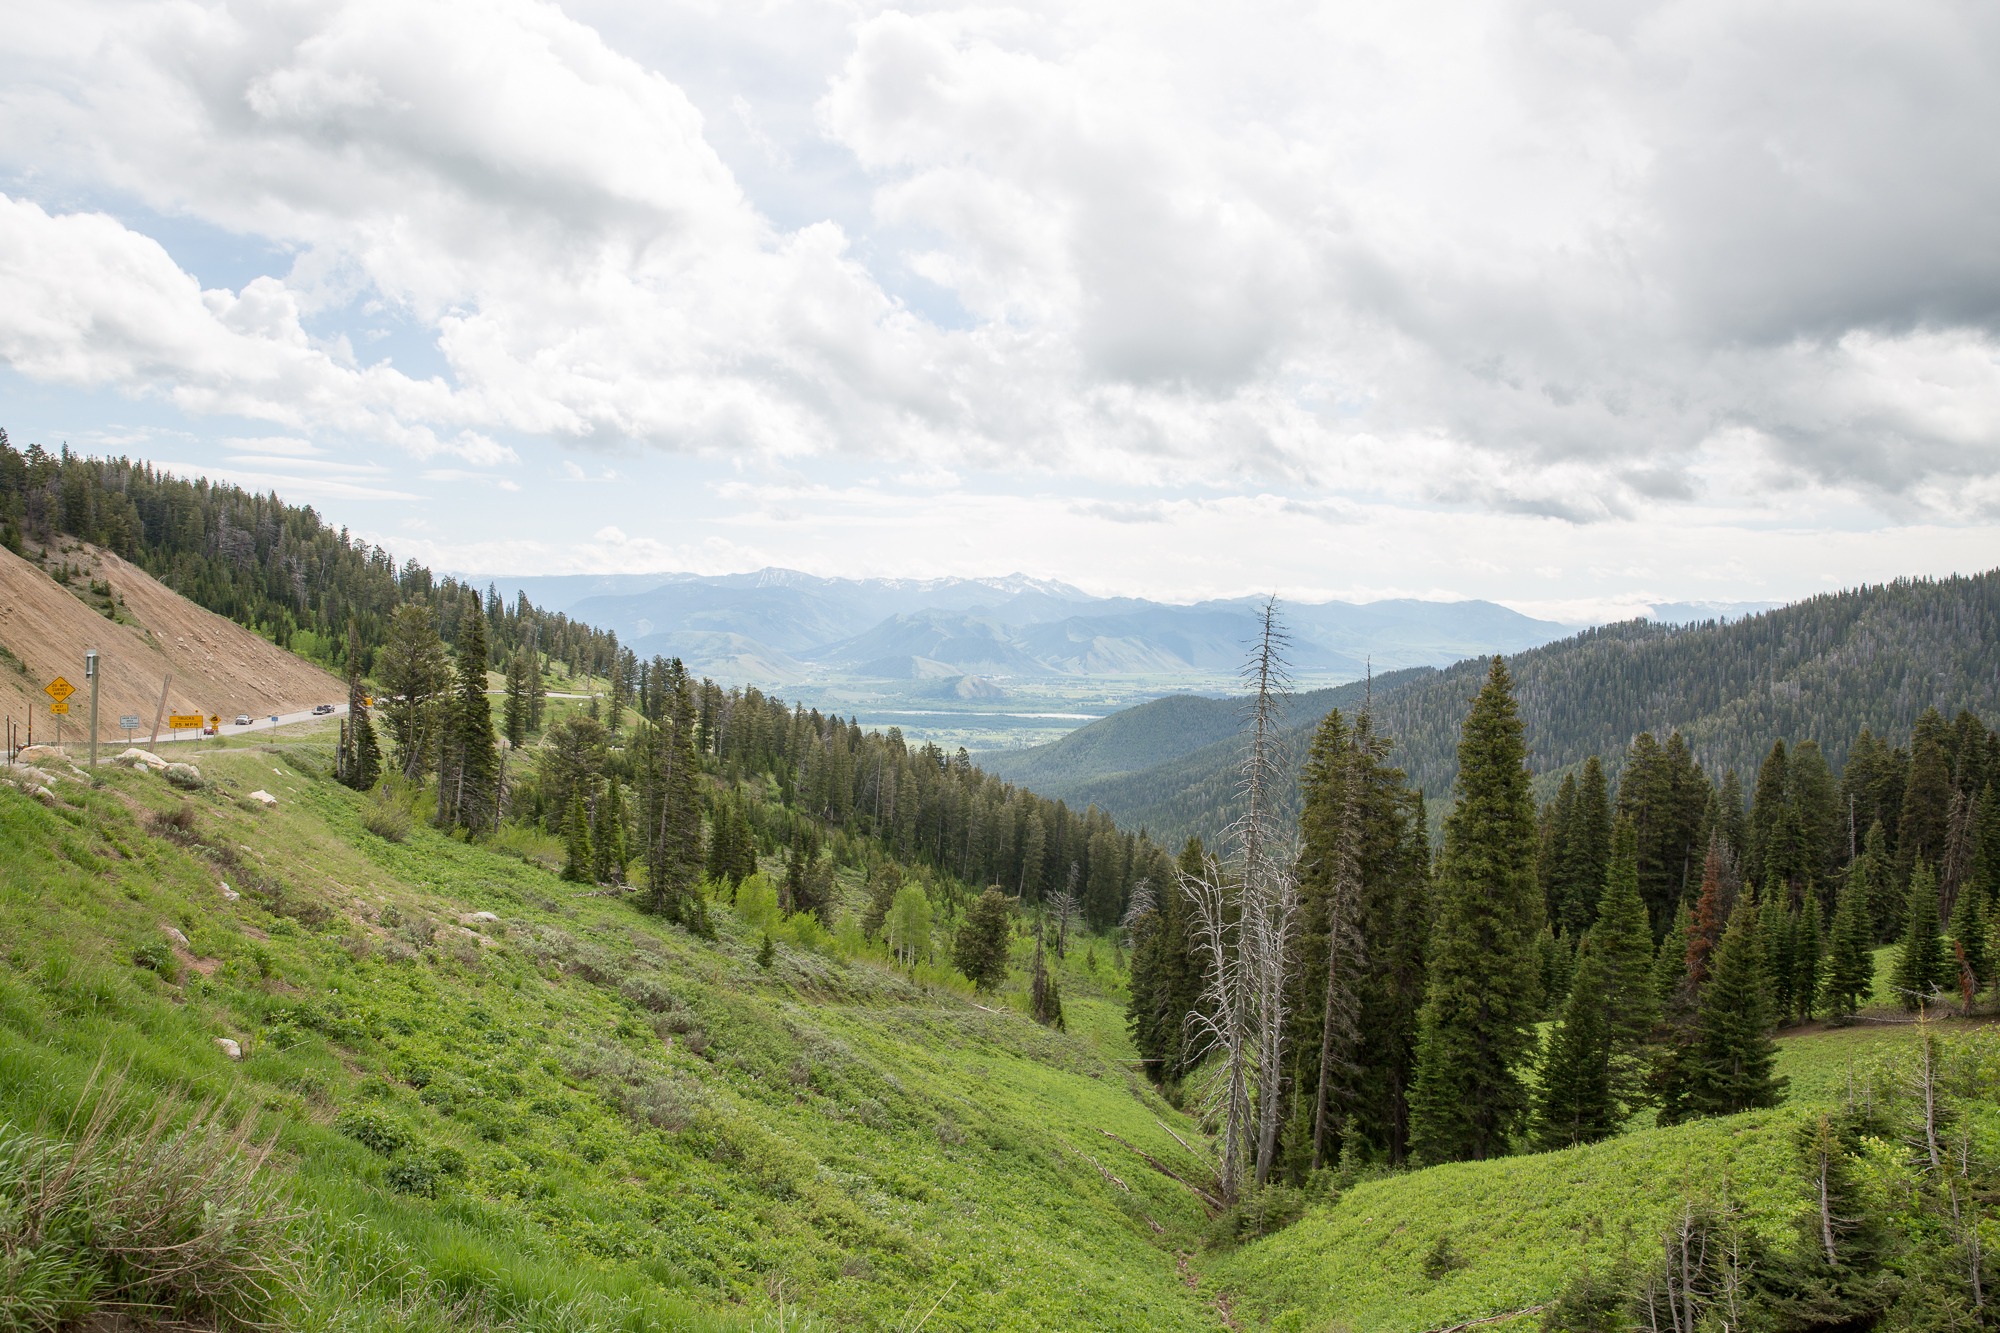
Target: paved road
258,726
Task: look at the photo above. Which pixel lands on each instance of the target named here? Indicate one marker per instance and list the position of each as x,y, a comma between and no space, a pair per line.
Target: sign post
90,674
59,691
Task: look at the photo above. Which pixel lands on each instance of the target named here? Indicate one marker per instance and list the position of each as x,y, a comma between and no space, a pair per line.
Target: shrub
176,824
157,956
414,1173
1593,1302
1442,1258
161,1217
386,818
757,902
372,1129
647,994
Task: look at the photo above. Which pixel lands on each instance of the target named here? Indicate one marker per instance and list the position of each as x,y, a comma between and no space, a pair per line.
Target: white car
242,719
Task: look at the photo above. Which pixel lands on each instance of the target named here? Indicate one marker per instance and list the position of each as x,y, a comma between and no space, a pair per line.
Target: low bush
386,817
158,956
372,1129
177,823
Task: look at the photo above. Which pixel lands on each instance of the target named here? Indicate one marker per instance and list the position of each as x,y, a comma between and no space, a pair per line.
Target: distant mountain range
780,627
1820,669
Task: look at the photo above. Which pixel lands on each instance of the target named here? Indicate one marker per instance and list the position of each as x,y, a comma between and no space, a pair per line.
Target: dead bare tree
1222,1021
1066,907
1244,922
1338,1029
1267,863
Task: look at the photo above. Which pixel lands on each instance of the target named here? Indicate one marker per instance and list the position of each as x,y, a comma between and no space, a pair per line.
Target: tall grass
161,1214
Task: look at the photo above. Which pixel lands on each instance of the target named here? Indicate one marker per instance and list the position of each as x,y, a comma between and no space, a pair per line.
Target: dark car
321,709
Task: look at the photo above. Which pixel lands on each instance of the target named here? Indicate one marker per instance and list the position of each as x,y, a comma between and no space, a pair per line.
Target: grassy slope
1525,1225
830,1131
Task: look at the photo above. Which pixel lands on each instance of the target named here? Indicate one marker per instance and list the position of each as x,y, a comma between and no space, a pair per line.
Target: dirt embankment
218,667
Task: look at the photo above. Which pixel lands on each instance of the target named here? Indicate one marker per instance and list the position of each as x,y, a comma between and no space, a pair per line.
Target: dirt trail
218,666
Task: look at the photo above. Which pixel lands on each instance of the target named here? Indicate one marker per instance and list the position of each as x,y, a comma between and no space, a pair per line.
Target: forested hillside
277,568
1367,1006
1823,669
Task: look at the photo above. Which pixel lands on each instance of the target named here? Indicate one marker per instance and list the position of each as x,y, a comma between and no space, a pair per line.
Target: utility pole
90,674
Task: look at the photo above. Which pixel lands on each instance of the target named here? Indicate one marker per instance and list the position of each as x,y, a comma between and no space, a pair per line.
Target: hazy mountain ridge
1821,669
779,626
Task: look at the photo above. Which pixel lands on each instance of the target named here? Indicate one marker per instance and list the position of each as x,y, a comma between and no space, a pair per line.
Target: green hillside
571,1116
1432,1248
1824,668
567,1113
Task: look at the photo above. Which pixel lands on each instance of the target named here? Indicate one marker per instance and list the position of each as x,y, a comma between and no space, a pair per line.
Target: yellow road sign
179,720
59,689
215,720
59,706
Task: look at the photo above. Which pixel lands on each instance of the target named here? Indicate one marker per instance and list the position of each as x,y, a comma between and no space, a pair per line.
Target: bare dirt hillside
218,666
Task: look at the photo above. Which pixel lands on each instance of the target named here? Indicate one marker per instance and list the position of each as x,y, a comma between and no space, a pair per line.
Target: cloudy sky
1570,305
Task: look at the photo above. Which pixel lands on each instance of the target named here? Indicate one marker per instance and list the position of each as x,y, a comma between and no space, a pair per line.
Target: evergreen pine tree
1808,959
1575,1103
415,673
981,948
1850,970
883,884
357,763
1923,969
517,708
1166,978
744,844
1476,1029
720,866
670,799
1555,959
1733,1052
1769,852
1670,962
578,866
1874,872
1779,928
767,952
1729,814
1623,944
1044,994
471,766
1554,863
1971,951
607,837
1925,820
1986,865
1590,846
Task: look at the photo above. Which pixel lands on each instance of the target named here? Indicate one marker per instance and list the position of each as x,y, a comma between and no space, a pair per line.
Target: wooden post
161,711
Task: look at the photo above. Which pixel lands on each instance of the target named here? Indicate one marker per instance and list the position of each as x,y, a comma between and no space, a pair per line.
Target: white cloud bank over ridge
1587,261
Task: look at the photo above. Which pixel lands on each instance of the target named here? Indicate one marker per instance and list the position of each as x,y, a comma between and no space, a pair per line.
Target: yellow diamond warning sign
59,689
